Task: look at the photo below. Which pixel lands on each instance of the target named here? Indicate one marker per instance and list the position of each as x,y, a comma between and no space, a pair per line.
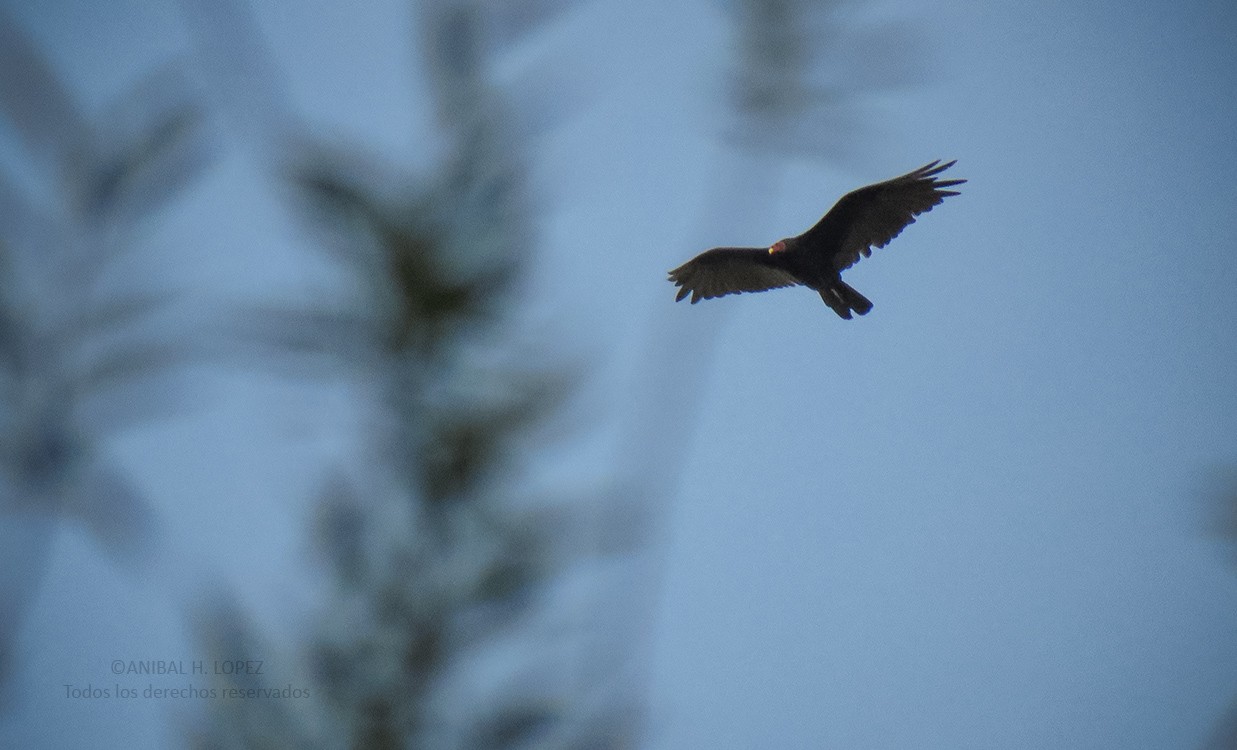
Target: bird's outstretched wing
872,216
729,270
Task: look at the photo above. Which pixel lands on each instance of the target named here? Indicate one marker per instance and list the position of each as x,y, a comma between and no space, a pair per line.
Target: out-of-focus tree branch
75,335
806,71
439,633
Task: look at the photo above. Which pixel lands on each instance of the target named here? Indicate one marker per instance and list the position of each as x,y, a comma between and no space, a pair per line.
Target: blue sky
974,518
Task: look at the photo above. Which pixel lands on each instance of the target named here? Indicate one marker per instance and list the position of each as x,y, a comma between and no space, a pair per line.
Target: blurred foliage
1222,495
437,633
79,337
444,571
1220,514
805,70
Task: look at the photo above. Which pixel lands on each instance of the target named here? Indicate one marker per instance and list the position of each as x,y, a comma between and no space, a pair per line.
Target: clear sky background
977,517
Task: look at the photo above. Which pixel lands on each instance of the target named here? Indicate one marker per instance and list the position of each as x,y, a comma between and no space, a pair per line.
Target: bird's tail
843,298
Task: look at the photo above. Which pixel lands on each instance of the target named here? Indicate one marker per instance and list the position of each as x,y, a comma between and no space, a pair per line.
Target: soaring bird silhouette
863,219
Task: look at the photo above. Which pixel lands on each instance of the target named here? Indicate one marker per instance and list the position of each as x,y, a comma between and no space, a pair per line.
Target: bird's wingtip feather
935,168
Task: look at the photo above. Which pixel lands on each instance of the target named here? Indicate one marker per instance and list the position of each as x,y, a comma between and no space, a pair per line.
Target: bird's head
777,247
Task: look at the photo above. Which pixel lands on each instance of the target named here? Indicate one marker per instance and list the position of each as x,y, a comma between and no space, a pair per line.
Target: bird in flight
863,219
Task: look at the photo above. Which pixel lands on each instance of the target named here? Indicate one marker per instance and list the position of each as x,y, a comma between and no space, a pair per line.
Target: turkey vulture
863,219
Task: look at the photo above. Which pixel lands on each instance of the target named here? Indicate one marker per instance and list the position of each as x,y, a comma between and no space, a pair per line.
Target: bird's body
865,218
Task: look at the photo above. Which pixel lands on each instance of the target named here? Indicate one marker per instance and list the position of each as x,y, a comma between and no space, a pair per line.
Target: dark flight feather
729,270
873,216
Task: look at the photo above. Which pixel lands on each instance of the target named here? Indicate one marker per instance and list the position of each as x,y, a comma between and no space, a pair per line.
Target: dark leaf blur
450,565
1220,520
807,70
79,333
